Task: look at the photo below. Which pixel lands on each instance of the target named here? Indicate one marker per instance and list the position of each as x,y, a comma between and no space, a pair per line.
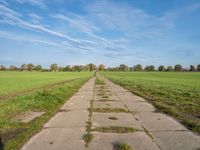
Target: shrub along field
39,91
174,93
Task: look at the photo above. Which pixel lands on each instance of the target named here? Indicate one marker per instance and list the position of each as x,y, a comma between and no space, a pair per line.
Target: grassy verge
176,94
15,82
14,134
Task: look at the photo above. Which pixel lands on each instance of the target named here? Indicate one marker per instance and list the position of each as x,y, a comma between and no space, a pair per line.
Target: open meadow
174,93
22,92
13,82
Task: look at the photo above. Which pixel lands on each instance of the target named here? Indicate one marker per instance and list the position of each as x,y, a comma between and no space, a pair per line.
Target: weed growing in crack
88,136
121,146
105,96
147,132
115,129
110,110
113,118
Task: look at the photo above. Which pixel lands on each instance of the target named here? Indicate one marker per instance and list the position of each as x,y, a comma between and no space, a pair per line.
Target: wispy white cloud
39,3
34,18
128,19
92,43
87,33
78,22
4,2
26,39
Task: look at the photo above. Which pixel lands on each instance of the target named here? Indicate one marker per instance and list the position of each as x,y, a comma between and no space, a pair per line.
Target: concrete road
152,130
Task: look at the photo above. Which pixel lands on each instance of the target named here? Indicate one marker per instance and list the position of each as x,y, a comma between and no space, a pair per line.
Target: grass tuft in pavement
87,138
115,129
110,110
113,118
99,81
121,146
105,96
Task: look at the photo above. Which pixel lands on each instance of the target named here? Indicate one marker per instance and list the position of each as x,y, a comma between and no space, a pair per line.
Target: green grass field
42,96
175,93
13,81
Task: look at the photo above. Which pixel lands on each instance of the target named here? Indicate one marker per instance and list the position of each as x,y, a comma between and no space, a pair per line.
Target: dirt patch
27,116
113,118
8,135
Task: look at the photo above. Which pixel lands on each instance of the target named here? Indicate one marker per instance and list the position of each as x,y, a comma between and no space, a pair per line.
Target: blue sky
67,32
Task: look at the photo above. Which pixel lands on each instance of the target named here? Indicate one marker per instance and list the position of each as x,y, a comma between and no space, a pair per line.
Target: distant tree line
92,67
53,67
139,67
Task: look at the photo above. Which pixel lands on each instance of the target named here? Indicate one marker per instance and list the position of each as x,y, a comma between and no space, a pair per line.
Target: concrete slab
177,140
27,116
85,93
137,140
114,87
123,119
57,139
130,97
88,86
73,118
77,102
158,122
139,106
108,104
